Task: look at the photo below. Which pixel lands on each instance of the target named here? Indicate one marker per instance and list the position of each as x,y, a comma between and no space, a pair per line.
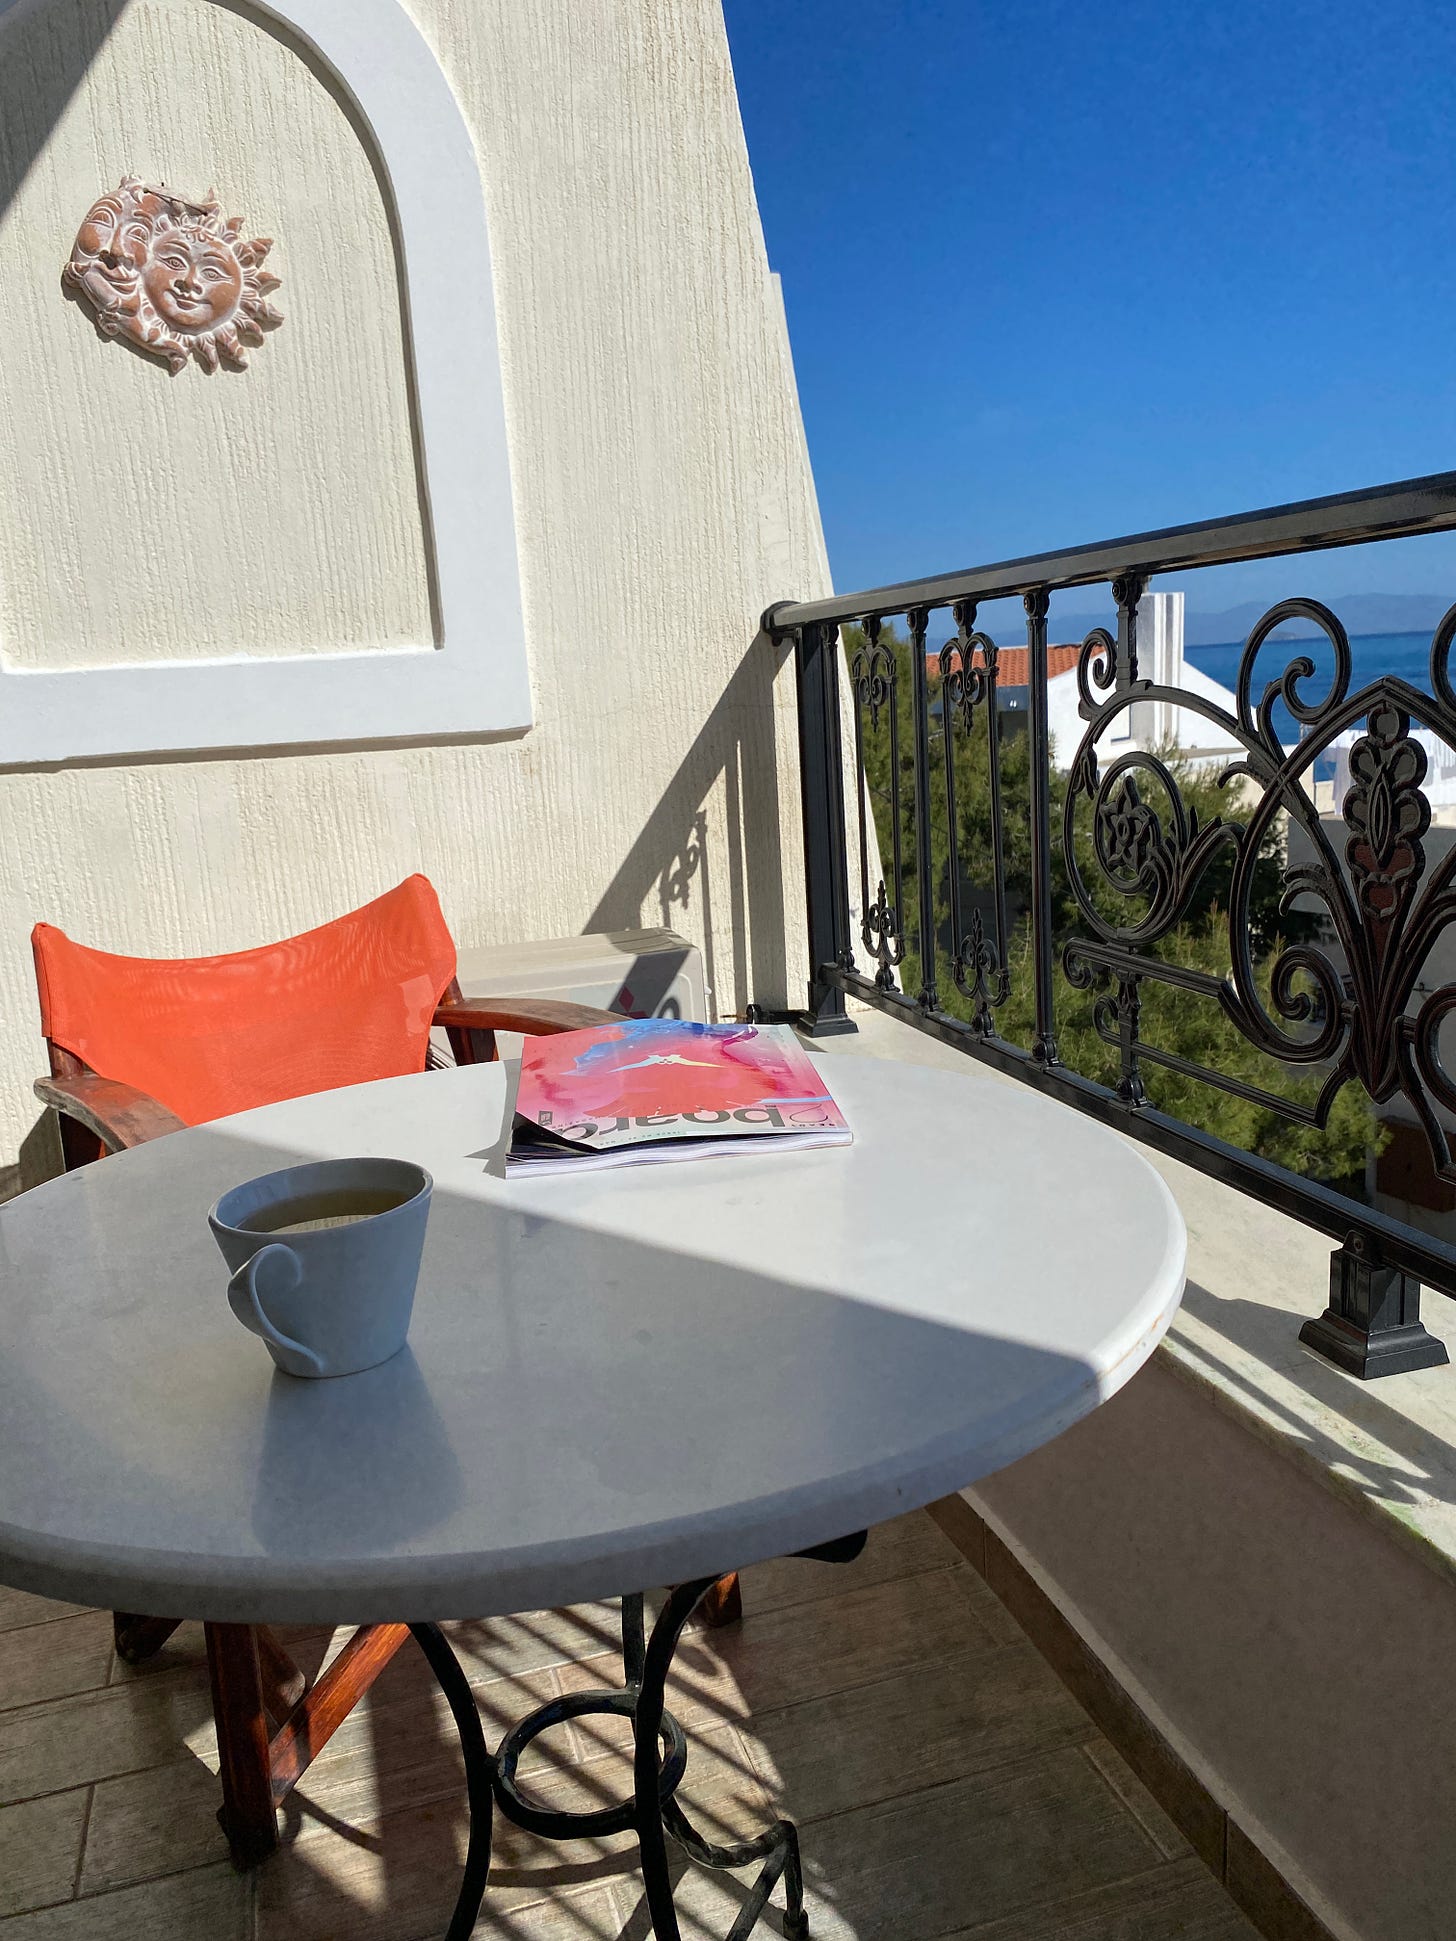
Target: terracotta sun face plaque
171,277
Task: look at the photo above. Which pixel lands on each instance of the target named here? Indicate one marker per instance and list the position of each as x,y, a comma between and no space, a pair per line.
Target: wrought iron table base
456,1687
659,1760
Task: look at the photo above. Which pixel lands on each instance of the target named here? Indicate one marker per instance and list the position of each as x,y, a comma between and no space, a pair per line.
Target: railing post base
1372,1326
826,1023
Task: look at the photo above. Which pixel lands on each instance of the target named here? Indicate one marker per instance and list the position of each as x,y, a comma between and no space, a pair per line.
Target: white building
1146,724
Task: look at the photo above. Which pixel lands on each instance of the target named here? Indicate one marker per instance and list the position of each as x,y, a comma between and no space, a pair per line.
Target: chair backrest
206,1036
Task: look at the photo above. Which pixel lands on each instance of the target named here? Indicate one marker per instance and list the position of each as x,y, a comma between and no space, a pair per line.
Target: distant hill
1360,613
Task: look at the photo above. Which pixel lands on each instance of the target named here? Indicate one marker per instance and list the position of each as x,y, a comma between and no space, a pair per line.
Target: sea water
1371,655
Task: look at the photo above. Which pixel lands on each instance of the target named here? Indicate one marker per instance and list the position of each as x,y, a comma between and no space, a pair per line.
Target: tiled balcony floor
943,1781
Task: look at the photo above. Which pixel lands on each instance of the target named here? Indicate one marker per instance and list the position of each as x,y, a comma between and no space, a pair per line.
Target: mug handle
243,1299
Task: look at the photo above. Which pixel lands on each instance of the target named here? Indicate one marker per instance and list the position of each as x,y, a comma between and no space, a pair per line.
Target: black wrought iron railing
1335,980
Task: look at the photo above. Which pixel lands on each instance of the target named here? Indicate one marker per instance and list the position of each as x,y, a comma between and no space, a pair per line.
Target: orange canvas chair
143,1046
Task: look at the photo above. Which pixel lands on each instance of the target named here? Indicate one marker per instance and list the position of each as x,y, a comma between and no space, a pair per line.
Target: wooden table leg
319,1713
246,1815
723,1604
283,1683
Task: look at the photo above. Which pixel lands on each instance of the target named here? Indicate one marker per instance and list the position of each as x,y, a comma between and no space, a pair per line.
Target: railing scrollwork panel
874,676
1327,916
968,672
1344,1001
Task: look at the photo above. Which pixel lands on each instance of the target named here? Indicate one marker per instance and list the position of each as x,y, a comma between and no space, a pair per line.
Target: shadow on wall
57,54
669,868
57,46
669,871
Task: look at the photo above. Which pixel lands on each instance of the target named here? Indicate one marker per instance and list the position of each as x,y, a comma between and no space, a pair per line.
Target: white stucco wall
662,498
159,518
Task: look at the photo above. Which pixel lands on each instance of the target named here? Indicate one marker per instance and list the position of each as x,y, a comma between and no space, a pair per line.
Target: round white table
649,1375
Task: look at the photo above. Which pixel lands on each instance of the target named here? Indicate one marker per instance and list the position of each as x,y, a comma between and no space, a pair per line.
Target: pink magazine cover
657,1088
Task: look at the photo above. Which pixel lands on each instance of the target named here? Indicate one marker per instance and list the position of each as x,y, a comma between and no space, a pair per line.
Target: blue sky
1056,271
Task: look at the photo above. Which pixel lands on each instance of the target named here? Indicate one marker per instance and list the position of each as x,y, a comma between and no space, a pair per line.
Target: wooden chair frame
270,1723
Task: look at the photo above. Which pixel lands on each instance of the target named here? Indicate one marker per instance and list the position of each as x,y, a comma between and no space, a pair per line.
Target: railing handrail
1307,525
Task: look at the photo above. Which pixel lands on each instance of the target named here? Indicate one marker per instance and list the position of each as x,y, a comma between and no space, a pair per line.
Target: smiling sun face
171,278
195,283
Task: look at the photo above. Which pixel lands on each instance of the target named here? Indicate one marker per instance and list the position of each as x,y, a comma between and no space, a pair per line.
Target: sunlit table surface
625,1378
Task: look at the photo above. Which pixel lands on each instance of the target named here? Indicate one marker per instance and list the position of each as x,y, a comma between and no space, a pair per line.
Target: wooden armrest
118,1114
536,1017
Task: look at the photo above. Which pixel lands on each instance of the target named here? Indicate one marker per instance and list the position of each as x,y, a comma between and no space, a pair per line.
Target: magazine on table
650,1089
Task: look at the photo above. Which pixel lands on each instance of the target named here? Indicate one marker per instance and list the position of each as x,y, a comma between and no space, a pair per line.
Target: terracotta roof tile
1011,663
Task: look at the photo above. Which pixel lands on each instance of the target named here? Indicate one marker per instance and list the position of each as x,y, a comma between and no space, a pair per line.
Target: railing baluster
918,619
858,676
821,781
952,686
891,915
875,687
998,831
1037,604
977,965
896,914
1127,590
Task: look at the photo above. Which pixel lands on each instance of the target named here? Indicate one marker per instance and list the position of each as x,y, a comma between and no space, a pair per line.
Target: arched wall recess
475,680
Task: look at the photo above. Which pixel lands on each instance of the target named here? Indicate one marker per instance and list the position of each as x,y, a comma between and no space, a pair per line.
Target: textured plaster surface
662,498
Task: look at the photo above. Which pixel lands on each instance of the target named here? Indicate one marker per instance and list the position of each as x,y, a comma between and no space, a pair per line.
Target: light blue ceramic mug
325,1259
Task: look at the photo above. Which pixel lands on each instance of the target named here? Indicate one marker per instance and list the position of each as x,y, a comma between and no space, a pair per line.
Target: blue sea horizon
1407,655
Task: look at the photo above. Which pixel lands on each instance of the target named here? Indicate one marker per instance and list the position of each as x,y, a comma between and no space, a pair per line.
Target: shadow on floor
1271,1333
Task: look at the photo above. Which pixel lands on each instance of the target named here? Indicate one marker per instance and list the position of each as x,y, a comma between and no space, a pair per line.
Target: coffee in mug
325,1258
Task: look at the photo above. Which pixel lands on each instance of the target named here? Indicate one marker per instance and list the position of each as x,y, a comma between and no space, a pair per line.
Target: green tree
1183,1023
